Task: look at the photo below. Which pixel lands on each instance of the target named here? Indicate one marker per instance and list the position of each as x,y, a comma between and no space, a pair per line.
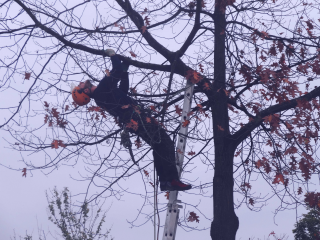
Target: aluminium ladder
172,216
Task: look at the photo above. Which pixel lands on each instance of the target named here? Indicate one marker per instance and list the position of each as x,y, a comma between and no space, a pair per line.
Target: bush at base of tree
308,228
73,225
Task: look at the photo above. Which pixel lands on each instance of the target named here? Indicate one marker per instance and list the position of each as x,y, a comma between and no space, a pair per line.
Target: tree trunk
225,223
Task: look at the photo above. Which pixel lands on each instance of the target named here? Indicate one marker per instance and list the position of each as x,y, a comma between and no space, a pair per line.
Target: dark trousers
161,143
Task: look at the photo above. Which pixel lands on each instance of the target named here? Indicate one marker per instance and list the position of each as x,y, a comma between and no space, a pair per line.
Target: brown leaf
193,217
132,124
178,110
191,153
201,68
206,86
148,120
147,20
24,172
125,106
185,123
143,29
146,173
27,76
220,128
167,195
133,54
138,143
55,144
278,178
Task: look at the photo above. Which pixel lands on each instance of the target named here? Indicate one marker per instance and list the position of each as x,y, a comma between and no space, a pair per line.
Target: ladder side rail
172,216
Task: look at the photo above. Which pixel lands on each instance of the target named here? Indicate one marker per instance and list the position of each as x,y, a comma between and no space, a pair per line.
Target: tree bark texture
225,222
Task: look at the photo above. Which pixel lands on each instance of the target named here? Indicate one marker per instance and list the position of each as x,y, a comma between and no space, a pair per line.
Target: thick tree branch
138,21
258,119
193,32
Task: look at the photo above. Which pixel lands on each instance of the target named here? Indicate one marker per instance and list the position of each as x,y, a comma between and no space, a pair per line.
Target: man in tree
133,118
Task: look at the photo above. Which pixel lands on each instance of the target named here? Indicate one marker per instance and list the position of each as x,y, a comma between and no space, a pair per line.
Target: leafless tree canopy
255,113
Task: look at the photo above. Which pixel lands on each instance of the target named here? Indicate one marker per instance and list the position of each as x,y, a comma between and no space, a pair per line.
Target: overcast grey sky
23,202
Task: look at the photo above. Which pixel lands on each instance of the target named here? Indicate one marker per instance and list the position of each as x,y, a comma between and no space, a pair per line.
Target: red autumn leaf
185,123
94,109
278,178
147,20
133,54
193,76
136,109
27,76
153,108
46,104
144,11
291,150
251,201
146,173
148,120
191,153
138,143
305,167
24,172
310,26
107,72
122,28
206,86
220,128
190,113
165,90
143,29
299,190
193,217
46,117
178,110
61,144
272,233
167,195
54,144
203,4
132,124
259,163
133,90
246,185
125,106
201,68
273,50
268,119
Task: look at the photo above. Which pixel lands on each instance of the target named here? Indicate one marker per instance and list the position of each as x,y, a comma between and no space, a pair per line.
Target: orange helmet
79,96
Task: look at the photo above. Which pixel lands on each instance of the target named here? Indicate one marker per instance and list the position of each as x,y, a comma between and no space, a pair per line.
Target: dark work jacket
108,96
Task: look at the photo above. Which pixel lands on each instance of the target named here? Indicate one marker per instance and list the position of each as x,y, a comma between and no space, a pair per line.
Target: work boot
174,185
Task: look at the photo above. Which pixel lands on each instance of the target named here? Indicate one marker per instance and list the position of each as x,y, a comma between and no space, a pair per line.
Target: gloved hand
110,52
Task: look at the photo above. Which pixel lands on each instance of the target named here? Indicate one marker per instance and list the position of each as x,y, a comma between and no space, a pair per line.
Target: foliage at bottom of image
308,227
82,224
